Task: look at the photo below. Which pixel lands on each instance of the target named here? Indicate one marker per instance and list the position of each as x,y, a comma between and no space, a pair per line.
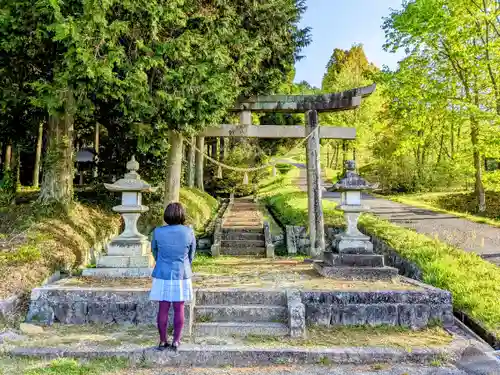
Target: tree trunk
199,159
17,167
222,150
191,163
479,187
57,181
345,149
213,152
337,151
96,149
327,155
174,168
8,158
38,155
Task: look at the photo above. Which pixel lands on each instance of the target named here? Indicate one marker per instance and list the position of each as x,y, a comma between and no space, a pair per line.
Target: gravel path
467,235
312,370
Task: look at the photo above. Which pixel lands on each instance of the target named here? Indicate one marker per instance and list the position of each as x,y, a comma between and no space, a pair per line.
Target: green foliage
7,188
284,168
347,70
444,100
289,204
139,68
200,208
243,155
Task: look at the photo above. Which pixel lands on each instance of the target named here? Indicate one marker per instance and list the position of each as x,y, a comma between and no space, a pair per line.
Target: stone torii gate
310,105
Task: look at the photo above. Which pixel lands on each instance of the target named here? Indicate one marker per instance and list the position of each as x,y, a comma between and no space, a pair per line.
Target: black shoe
162,346
174,347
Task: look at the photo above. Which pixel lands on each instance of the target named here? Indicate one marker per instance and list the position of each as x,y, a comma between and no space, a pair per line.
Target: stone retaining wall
204,242
408,308
96,306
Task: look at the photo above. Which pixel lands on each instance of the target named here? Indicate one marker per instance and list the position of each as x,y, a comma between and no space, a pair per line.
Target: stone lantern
128,255
352,256
350,188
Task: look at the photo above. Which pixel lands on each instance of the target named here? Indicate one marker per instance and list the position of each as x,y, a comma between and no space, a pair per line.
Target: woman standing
173,247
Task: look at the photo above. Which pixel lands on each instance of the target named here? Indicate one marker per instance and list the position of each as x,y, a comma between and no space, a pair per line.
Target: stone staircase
226,313
243,230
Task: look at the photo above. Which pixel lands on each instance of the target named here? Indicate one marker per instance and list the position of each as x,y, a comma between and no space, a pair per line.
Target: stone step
242,229
243,219
242,244
229,297
356,273
241,356
245,236
241,313
240,329
122,261
242,215
243,200
252,206
246,224
359,260
255,251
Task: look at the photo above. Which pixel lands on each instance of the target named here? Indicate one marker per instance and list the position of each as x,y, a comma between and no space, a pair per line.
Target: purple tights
163,320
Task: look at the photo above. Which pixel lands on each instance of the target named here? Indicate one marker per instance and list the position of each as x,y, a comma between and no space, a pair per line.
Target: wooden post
314,193
174,168
198,180
191,161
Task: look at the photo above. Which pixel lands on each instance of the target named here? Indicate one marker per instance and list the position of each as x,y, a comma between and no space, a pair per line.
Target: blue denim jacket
173,248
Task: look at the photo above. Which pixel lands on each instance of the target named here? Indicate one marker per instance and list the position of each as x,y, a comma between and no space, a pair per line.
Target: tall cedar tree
154,65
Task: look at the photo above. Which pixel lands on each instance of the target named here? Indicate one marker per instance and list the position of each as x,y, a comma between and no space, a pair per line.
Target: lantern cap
131,182
351,180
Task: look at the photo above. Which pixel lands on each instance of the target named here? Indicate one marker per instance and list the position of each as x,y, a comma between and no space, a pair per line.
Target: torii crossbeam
310,105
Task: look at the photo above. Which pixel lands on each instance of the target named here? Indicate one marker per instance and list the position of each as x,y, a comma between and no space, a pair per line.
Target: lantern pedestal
353,258
127,255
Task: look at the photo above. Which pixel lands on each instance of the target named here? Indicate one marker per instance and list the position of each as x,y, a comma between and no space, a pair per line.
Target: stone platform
276,309
280,310
325,346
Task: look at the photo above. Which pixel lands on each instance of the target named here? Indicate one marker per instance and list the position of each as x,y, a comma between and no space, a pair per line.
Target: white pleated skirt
171,290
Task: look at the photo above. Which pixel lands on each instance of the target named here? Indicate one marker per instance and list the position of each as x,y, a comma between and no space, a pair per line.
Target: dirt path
482,239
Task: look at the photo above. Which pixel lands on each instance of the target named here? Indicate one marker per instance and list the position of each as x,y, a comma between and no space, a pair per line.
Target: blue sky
340,24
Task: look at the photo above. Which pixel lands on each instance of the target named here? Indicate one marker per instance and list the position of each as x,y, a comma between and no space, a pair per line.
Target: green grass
358,336
63,366
473,282
460,204
37,240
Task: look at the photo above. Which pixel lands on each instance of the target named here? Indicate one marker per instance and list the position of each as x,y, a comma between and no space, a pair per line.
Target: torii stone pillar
191,162
199,159
314,192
